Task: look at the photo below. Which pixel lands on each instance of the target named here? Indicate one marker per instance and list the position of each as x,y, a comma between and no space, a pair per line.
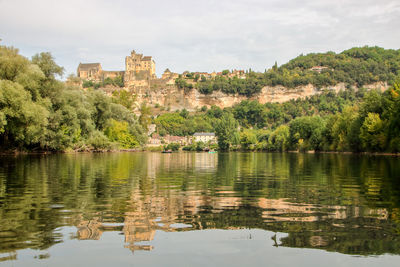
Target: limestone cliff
174,98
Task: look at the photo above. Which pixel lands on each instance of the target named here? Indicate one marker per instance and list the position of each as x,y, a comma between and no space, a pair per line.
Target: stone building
90,71
94,72
167,73
204,137
139,70
138,67
169,77
319,69
112,74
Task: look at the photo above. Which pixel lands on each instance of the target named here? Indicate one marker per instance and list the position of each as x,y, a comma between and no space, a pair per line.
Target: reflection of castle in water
147,214
192,189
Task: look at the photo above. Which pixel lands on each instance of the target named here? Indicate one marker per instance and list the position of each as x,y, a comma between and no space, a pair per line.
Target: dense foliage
117,81
354,67
248,86
38,112
347,121
181,124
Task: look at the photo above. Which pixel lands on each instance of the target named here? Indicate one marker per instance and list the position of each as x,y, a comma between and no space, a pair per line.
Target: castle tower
138,68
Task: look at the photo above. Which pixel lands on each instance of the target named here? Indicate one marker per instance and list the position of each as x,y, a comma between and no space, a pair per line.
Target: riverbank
43,152
160,149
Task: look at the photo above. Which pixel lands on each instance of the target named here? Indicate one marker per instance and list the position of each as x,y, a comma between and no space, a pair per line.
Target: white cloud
195,35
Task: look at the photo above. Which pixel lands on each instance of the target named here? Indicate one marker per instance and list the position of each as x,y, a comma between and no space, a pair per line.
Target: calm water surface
199,209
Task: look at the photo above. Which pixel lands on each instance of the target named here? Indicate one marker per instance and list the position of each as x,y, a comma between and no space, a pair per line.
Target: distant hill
354,67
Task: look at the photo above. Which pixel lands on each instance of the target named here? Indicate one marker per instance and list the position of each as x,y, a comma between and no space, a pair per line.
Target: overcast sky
203,35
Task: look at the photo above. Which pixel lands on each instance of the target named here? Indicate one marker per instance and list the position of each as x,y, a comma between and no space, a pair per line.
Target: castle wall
112,74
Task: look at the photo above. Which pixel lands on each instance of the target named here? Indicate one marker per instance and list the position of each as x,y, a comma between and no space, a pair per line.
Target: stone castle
139,70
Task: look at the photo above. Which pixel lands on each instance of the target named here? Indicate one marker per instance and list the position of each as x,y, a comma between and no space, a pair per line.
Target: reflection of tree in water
344,203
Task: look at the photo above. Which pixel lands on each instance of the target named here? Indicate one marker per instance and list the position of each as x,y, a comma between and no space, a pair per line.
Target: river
199,209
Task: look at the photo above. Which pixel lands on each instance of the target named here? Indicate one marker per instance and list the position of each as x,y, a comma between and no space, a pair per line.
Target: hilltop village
140,71
172,90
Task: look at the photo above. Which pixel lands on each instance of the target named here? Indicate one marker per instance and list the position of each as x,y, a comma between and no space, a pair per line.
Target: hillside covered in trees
354,67
347,121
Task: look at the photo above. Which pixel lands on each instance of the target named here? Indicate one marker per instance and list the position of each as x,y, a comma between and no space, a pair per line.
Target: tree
145,112
184,113
98,141
226,131
215,112
279,139
101,106
22,121
250,113
372,133
248,139
46,63
393,116
124,98
11,63
345,128
309,130
117,131
171,123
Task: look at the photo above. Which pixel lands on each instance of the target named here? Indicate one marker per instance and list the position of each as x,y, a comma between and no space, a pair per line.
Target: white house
204,137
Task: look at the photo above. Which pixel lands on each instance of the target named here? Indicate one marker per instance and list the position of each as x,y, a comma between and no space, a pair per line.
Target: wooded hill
354,67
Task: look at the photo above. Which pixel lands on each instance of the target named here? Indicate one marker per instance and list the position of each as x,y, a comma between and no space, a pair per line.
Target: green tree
226,131
46,63
118,131
101,106
392,113
184,113
250,113
248,139
11,63
344,131
124,98
23,122
372,133
145,119
279,139
309,130
171,123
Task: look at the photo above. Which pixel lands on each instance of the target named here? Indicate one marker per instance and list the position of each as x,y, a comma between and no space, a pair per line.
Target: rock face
170,96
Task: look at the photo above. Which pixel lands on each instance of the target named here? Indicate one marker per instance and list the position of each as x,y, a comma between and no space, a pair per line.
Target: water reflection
343,203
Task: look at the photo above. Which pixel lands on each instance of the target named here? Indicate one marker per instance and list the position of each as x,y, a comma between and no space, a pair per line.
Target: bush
87,84
173,146
117,131
155,148
98,141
